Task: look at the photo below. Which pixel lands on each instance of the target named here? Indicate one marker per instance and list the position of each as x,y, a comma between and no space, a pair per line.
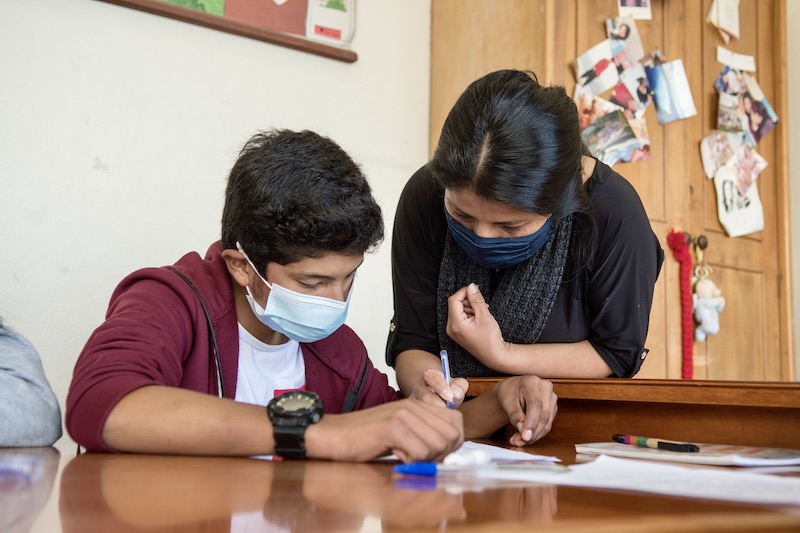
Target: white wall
118,129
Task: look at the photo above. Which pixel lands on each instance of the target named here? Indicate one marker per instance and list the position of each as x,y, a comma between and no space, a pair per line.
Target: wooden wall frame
215,22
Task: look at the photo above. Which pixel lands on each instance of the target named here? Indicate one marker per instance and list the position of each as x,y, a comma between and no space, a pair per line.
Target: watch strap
290,441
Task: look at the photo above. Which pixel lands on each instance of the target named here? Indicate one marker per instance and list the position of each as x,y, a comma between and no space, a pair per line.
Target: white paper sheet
740,214
331,22
724,15
498,454
734,60
642,12
659,478
495,454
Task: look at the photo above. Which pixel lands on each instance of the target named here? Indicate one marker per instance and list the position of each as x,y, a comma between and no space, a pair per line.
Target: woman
516,251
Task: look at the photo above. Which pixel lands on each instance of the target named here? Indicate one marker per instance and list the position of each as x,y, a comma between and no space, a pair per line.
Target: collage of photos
743,106
616,82
730,158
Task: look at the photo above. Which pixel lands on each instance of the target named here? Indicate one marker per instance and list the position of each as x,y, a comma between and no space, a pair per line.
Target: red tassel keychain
677,241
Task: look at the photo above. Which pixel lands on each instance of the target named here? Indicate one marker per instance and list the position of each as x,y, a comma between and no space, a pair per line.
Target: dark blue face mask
498,252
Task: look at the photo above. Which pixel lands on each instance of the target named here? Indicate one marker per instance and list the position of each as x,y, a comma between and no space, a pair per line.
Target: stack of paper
709,454
659,478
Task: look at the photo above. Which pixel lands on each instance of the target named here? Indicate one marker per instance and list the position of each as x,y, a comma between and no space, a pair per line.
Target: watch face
296,402
296,405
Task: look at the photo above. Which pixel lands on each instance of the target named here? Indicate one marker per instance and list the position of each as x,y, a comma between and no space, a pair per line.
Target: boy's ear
237,266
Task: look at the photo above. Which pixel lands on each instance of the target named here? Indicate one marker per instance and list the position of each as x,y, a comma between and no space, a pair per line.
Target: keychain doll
707,300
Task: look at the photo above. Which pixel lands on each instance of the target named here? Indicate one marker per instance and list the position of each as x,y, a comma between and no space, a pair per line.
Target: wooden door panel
749,344
771,52
470,38
736,352
561,44
657,364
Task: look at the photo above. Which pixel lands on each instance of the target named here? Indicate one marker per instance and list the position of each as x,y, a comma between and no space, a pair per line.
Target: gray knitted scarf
521,303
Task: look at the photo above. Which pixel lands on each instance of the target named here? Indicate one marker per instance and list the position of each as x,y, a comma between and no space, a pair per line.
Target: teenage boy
189,355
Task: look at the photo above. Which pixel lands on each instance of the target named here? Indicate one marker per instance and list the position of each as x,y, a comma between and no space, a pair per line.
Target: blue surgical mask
301,317
498,252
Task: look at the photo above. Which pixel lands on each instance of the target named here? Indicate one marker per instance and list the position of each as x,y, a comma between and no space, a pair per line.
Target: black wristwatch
291,413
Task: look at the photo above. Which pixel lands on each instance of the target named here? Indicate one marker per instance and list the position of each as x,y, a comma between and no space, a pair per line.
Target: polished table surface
95,492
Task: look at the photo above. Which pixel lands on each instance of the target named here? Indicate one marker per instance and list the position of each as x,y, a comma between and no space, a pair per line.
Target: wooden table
108,493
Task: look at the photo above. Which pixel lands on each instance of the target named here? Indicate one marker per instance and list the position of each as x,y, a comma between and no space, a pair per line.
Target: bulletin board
282,24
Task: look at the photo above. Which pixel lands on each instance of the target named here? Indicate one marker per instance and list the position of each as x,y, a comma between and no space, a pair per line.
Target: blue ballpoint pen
446,371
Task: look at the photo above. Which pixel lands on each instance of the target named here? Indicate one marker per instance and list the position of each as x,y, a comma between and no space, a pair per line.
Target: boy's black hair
292,195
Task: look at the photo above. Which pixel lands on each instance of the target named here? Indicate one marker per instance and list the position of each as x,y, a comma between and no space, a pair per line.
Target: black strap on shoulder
352,394
212,334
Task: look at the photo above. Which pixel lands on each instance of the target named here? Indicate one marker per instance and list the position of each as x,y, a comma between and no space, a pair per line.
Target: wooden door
473,37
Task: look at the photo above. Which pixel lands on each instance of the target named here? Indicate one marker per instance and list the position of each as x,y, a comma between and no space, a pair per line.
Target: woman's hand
471,324
420,376
531,406
434,388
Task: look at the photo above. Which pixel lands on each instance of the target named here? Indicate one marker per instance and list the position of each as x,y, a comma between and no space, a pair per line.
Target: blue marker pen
435,469
418,469
446,371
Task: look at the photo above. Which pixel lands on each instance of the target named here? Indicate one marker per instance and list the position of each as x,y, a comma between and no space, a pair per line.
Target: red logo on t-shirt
278,392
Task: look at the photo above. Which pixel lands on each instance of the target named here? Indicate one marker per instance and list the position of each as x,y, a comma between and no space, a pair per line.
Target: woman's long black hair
510,140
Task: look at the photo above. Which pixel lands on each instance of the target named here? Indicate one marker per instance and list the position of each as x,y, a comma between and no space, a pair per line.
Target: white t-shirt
267,370
254,522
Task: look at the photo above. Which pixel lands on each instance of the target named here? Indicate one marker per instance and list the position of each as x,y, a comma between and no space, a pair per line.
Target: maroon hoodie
156,333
